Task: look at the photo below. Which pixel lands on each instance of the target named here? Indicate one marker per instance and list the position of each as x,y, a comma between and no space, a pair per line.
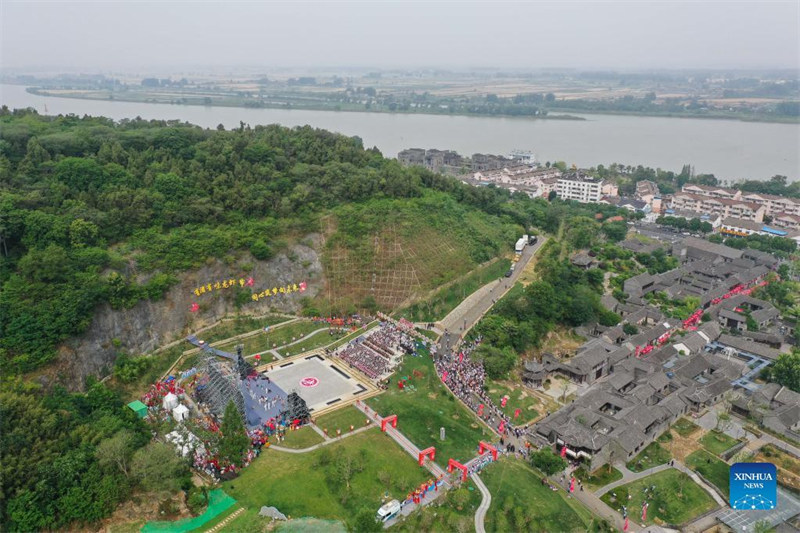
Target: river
729,149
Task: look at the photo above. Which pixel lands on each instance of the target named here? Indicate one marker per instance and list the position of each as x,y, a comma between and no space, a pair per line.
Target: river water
728,149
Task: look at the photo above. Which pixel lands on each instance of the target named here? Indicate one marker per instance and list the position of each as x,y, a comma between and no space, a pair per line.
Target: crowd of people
466,379
377,353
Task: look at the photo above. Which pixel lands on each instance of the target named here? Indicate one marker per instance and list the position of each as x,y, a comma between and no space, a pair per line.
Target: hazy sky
140,35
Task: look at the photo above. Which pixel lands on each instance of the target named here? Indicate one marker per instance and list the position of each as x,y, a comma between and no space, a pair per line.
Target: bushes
547,461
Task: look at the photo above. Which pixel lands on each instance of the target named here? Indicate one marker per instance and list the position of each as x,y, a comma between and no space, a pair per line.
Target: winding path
483,508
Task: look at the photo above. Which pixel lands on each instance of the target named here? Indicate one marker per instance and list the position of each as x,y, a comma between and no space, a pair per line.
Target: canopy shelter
139,408
180,413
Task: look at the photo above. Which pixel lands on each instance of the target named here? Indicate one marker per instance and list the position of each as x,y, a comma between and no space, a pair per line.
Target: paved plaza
317,380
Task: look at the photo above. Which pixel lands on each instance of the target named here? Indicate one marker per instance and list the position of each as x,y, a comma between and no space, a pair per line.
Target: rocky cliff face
150,325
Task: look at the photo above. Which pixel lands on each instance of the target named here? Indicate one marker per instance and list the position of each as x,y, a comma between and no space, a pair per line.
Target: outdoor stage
318,381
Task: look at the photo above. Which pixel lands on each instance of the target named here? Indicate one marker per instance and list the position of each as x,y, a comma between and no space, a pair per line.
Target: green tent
139,408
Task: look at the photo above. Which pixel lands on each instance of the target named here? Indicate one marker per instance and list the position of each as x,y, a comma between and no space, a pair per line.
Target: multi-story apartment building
786,221
774,204
718,205
579,187
712,191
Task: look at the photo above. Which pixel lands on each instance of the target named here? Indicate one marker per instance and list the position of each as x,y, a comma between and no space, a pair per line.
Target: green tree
786,370
261,250
547,461
234,441
615,231
117,451
365,522
82,233
158,467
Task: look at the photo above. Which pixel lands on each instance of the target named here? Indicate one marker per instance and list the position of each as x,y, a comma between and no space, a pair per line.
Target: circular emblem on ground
309,382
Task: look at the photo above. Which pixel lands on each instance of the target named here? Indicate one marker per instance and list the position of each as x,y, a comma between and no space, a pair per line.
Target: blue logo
753,486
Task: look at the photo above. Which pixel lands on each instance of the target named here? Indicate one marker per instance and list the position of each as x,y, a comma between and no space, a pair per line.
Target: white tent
170,401
184,445
180,413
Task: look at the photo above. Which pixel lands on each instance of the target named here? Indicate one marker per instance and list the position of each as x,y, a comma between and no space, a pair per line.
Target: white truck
521,244
388,511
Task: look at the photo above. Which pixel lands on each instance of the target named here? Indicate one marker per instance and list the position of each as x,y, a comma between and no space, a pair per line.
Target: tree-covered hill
94,211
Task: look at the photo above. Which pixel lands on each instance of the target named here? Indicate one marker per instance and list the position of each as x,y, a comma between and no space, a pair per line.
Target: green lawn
685,427
445,300
714,470
521,503
312,484
675,500
277,336
317,340
428,333
304,437
517,399
341,419
239,325
599,478
716,442
421,412
653,455
350,336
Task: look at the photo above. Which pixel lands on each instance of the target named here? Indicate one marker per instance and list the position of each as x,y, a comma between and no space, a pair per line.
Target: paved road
628,476
461,319
595,505
480,514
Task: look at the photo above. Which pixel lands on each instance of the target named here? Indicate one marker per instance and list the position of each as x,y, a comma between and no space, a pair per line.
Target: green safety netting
218,503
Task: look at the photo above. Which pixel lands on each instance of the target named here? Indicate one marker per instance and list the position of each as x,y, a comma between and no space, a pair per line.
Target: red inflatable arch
390,418
430,452
485,446
452,463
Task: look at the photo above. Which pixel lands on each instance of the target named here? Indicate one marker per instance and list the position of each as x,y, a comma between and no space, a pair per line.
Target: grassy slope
296,483
667,503
341,419
717,443
411,246
446,299
423,411
599,478
653,455
518,398
545,509
317,340
714,470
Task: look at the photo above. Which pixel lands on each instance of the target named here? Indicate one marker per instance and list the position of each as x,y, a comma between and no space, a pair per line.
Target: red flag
461,357
504,401
625,527
644,512
572,485
302,286
195,307
502,426
516,413
480,410
250,282
564,451
444,376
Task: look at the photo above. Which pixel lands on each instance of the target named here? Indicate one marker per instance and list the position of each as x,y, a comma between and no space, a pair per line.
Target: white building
579,187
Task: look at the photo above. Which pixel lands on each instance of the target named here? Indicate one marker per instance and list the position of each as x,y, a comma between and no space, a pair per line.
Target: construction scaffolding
222,387
297,409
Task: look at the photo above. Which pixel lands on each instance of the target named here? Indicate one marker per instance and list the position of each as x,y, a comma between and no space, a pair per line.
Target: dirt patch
432,395
680,447
141,508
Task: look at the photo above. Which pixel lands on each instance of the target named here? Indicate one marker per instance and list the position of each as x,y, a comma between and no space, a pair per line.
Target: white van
388,511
